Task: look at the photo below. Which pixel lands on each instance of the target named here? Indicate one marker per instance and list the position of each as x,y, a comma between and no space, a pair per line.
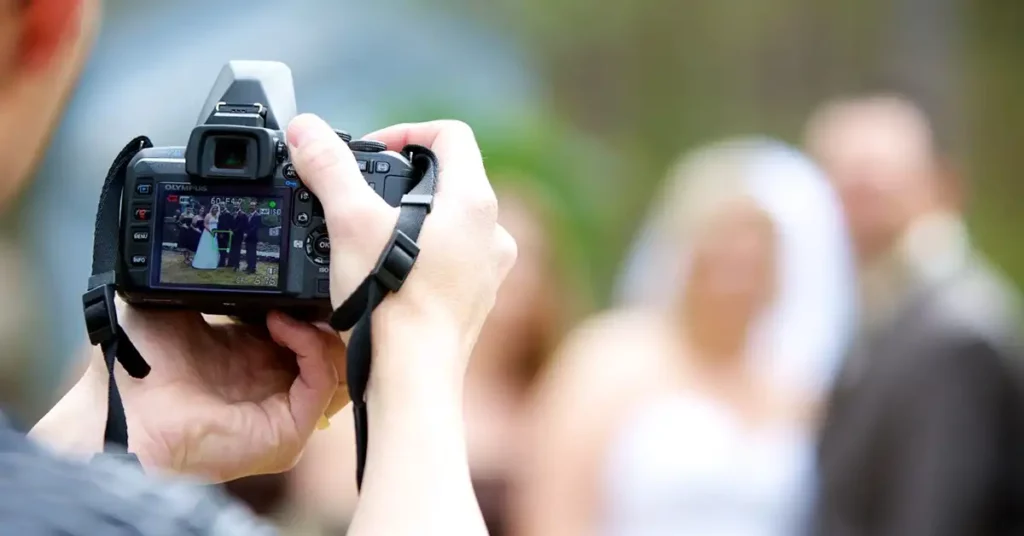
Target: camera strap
99,305
393,266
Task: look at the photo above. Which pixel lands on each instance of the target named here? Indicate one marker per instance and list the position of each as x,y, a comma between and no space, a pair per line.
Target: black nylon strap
393,266
98,303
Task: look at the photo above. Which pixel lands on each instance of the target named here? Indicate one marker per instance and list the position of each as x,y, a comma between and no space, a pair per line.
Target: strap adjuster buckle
396,261
100,311
422,200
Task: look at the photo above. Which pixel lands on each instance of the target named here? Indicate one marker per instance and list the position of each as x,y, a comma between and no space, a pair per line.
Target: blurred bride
690,410
207,254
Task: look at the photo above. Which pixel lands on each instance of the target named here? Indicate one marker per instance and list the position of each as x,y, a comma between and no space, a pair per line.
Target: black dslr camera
224,225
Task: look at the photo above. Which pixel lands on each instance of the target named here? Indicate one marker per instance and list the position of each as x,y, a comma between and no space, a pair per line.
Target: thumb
328,168
359,222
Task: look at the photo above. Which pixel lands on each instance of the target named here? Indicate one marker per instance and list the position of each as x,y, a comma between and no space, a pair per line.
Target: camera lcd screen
220,241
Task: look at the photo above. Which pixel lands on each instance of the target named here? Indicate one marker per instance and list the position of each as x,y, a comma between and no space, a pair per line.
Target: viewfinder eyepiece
230,152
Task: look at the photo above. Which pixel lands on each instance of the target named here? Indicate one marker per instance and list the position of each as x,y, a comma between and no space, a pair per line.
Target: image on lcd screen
220,241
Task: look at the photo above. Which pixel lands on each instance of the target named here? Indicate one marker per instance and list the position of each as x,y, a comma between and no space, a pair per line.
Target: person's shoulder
978,314
979,303
44,494
960,350
615,338
610,354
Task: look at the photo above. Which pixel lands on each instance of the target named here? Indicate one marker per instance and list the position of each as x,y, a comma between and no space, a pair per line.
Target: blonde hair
701,185
803,335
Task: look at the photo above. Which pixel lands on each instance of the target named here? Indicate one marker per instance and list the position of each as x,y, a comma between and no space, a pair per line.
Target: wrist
75,425
417,356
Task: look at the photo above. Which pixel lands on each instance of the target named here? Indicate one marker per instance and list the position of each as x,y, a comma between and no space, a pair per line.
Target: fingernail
301,129
323,423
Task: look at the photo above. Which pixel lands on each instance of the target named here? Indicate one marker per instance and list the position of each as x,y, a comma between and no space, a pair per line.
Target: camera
225,225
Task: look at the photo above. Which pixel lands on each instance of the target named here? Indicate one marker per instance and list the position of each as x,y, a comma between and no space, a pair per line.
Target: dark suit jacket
240,222
226,222
924,434
252,227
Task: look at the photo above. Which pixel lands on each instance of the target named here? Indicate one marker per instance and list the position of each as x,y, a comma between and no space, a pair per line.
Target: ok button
323,245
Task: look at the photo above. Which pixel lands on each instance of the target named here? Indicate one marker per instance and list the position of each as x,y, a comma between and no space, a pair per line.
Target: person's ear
45,26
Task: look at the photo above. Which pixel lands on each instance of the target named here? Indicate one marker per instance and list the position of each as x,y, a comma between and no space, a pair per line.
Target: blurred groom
923,434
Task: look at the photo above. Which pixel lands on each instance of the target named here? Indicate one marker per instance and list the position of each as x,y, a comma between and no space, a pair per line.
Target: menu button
140,236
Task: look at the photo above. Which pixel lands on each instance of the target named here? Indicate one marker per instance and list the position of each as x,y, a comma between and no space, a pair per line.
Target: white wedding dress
684,465
207,255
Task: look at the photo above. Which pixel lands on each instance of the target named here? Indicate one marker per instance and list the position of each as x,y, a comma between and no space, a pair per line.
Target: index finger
455,146
443,137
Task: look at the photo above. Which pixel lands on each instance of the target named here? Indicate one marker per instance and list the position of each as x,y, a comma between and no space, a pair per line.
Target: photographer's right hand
422,334
465,254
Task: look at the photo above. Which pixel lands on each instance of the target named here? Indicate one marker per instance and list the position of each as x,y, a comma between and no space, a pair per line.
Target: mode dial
367,146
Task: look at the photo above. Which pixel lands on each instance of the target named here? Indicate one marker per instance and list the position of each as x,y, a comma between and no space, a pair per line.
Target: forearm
417,473
74,426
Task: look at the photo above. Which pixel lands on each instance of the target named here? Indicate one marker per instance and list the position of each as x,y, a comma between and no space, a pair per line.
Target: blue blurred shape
155,62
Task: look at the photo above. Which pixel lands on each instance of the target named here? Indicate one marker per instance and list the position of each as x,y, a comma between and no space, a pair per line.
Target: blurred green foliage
543,156
994,79
652,78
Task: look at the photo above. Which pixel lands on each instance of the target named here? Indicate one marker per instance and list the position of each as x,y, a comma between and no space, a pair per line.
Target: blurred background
581,108
591,102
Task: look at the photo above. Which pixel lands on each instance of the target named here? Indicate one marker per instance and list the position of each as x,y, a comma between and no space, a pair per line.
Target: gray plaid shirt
41,494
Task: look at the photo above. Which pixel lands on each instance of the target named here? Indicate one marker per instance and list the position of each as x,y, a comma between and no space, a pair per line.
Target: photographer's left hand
223,400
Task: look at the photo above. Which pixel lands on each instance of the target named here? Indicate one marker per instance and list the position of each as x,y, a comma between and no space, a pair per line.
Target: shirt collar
933,248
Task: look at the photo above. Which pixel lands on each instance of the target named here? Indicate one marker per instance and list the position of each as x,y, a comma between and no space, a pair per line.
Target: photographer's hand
223,400
422,334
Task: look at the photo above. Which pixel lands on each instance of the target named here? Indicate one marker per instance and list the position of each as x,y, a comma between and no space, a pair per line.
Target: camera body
225,224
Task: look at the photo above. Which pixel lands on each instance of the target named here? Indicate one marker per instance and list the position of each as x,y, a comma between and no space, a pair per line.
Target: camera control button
302,218
381,167
323,286
139,260
320,260
363,165
345,136
323,245
289,172
304,196
141,235
142,213
143,188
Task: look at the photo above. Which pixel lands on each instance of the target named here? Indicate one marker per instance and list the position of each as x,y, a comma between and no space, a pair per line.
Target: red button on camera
142,214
